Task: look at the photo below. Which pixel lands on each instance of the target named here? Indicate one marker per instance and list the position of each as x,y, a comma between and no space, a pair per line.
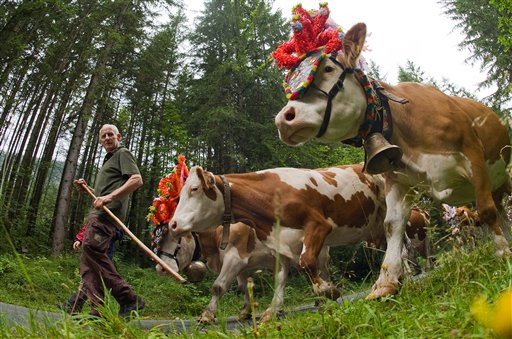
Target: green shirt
112,175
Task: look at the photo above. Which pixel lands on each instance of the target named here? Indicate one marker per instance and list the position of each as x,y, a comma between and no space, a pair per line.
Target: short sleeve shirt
113,174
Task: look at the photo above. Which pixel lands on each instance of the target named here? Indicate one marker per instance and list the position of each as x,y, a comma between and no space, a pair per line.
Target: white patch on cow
498,173
447,177
341,236
287,242
348,182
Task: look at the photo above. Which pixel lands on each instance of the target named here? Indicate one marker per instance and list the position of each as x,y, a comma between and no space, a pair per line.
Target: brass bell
196,271
381,156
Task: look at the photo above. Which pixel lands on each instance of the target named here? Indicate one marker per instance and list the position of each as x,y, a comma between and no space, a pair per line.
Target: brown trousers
97,269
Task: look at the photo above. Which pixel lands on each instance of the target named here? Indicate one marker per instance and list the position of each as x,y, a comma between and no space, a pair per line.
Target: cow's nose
173,228
289,114
285,116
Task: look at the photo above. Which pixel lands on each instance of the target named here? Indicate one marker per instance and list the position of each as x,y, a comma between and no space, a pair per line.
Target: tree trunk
66,184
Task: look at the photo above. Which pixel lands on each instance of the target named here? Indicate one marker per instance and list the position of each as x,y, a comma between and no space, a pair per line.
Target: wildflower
497,318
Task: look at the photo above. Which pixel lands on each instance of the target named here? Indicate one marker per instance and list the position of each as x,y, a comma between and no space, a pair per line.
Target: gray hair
116,131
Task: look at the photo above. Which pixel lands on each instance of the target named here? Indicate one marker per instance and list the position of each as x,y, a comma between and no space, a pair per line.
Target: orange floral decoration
169,189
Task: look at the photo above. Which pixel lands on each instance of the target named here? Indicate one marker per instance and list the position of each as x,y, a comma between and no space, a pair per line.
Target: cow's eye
329,69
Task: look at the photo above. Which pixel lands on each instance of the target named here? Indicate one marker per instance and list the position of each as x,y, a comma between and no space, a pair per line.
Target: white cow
454,149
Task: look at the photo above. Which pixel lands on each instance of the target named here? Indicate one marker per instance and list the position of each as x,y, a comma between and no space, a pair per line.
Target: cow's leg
398,211
314,238
484,200
246,311
323,263
409,257
503,220
276,305
489,216
231,267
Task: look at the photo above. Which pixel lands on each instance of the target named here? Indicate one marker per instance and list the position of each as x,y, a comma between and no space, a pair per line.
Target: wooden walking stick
137,241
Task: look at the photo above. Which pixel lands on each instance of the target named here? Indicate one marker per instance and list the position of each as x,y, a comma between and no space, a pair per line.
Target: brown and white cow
243,254
324,207
340,202
454,149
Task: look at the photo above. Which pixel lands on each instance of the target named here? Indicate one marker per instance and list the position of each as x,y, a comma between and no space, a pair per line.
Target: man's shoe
66,307
70,308
137,305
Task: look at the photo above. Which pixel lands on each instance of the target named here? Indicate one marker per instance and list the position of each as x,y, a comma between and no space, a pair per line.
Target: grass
42,283
437,306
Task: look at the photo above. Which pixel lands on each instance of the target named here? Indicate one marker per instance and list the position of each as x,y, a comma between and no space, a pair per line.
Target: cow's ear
353,43
202,175
210,179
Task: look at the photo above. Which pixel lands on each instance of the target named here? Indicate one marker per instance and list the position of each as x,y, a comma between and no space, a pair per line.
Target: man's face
109,139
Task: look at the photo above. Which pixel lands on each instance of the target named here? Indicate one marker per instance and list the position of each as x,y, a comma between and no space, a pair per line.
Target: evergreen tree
486,26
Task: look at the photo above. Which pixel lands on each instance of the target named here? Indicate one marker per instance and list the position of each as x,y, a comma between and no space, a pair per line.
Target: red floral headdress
312,39
169,189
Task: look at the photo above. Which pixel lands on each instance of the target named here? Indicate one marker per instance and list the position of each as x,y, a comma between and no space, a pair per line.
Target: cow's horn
381,156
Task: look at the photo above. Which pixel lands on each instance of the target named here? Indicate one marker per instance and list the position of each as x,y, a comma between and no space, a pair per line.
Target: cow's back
342,199
436,122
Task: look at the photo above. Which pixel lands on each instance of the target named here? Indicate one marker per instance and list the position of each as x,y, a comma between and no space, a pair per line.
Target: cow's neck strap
331,94
228,216
378,112
374,116
173,256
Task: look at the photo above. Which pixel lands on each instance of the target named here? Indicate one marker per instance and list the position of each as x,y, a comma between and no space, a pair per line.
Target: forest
207,90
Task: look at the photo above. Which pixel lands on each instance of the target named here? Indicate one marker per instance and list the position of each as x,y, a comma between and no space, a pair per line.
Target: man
118,177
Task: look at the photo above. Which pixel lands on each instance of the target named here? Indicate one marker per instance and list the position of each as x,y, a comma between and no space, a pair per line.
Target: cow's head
201,204
302,118
176,252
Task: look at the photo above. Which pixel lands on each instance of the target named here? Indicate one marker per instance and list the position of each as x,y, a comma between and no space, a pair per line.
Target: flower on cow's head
169,189
313,37
311,32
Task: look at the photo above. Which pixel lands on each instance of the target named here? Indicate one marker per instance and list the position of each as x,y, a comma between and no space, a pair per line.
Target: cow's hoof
382,291
328,290
244,315
502,249
266,316
206,318
503,253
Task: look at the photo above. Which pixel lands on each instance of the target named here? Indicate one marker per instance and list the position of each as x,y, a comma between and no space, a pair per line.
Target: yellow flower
497,318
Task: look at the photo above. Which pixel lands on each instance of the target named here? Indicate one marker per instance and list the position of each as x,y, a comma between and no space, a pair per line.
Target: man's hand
80,183
77,244
99,202
133,182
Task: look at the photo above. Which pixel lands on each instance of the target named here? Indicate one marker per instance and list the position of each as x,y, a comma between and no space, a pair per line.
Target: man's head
110,137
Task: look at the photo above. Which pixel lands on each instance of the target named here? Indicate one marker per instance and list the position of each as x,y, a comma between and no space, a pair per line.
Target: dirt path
21,316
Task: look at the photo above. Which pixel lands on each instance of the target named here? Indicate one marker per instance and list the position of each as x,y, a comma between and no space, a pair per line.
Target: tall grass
436,306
